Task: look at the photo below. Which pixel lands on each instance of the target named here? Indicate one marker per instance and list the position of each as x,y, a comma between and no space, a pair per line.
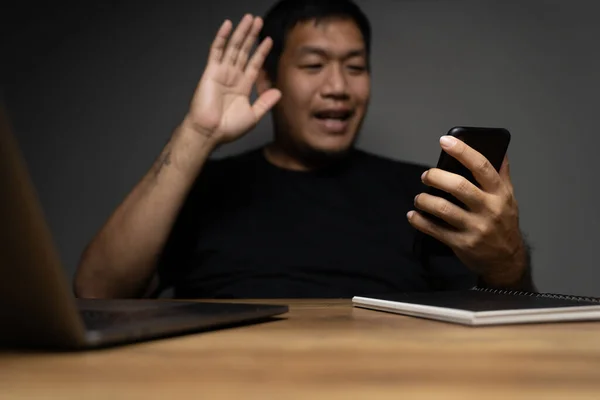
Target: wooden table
325,349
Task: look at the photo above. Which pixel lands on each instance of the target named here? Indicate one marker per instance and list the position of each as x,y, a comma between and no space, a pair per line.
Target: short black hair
284,15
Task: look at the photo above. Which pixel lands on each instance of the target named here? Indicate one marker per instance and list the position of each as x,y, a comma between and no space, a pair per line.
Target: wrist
514,273
195,132
189,149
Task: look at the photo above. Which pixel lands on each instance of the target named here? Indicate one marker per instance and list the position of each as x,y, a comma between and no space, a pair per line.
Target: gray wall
95,92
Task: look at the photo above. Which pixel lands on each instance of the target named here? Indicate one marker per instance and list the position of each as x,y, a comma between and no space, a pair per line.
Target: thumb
265,102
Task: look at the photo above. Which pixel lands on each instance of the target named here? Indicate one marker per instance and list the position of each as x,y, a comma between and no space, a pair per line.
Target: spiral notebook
482,306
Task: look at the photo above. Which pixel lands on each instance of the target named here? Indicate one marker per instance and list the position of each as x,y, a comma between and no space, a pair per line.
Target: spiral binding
545,295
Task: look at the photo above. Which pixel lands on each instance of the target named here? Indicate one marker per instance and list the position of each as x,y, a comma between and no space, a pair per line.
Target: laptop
37,305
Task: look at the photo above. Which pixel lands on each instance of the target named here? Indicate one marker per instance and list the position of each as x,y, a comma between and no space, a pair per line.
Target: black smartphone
492,143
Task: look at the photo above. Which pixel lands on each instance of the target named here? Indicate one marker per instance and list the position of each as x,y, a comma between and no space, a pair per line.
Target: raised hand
220,108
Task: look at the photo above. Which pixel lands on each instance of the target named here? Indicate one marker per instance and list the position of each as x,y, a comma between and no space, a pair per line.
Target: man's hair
282,17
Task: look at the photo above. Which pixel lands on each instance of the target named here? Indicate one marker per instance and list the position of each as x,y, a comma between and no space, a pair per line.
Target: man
308,215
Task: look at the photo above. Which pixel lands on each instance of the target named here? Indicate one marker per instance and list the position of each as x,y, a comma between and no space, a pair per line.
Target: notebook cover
475,301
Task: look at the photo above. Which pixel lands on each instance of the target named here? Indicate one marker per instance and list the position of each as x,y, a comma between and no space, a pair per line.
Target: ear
263,83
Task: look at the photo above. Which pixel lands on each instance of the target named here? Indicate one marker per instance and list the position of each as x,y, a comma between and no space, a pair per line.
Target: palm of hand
221,104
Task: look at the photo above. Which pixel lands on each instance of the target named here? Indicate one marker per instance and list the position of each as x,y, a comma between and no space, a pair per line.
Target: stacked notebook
480,306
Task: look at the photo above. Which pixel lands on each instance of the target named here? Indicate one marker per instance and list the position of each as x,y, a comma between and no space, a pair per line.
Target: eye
357,68
312,66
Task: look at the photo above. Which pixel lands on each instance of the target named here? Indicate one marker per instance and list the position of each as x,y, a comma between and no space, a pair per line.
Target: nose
335,84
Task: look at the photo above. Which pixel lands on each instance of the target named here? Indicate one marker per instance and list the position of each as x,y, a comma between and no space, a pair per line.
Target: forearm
121,260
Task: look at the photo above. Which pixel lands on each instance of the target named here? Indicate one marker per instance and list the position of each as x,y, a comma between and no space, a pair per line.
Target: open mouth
335,115
334,121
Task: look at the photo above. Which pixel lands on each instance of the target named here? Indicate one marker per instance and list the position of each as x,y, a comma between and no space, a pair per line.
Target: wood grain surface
325,349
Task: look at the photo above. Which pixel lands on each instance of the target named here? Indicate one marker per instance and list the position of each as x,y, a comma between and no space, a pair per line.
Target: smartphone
492,143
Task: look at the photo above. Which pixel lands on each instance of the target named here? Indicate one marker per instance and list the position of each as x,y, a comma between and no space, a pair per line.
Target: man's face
325,84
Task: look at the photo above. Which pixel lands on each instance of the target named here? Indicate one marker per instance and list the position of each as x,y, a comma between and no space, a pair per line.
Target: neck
281,158
285,155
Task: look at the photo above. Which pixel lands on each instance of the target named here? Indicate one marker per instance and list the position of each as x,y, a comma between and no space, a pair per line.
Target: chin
325,151
334,144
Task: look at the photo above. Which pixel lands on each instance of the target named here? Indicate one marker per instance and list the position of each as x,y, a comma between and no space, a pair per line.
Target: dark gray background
95,91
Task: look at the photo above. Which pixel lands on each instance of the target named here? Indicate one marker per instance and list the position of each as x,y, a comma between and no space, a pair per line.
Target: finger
505,172
456,185
425,225
505,169
249,42
218,44
454,215
483,171
265,102
258,58
237,39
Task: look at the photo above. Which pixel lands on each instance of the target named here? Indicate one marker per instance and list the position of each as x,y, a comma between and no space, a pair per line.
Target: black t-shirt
250,229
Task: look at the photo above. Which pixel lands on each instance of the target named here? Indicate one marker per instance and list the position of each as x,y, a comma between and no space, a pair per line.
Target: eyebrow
304,50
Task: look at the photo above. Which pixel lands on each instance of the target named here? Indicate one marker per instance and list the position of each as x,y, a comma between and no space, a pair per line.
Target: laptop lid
35,295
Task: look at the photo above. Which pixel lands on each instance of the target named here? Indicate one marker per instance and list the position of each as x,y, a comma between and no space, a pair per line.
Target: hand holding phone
492,143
